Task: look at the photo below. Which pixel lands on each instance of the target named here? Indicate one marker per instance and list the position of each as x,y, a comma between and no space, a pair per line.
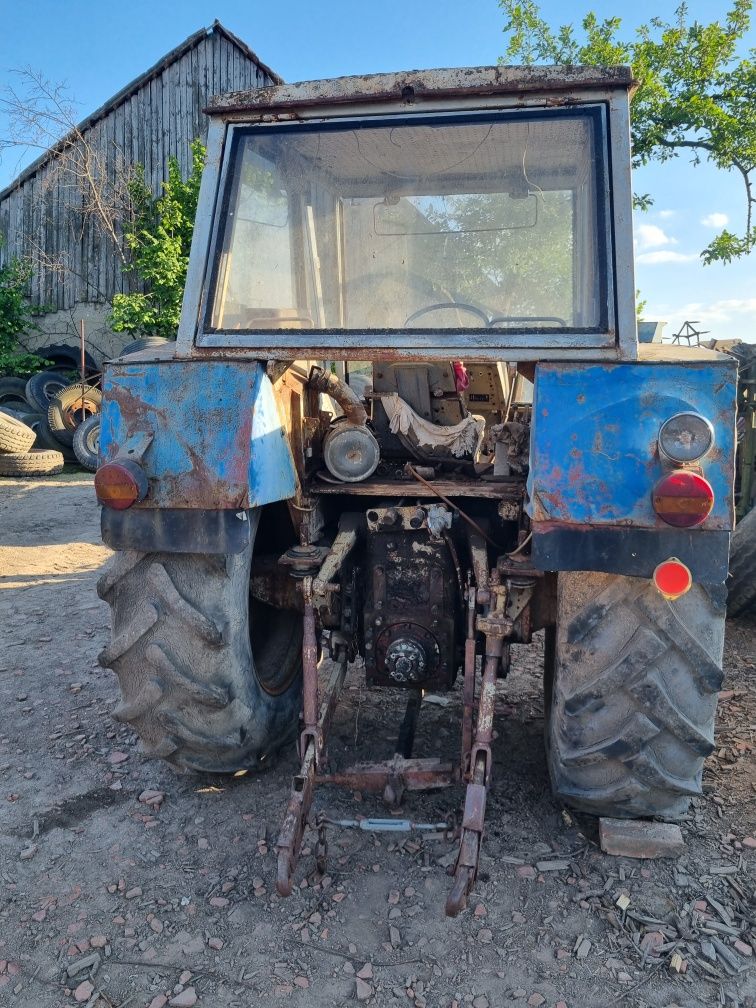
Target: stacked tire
47,421
18,457
61,408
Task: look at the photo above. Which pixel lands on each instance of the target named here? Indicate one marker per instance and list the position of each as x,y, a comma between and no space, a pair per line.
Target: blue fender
217,440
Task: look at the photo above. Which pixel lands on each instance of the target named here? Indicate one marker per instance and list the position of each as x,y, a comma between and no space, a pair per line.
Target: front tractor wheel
631,692
210,678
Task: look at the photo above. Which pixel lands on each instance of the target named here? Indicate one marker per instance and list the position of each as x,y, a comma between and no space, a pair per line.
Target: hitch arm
495,626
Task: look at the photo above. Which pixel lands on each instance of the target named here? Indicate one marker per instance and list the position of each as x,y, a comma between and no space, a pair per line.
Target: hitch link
317,718
496,626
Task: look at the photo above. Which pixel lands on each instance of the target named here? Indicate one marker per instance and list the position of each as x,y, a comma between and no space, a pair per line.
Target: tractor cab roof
562,83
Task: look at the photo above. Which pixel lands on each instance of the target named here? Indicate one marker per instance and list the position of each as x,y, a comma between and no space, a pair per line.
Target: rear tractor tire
631,692
742,581
210,680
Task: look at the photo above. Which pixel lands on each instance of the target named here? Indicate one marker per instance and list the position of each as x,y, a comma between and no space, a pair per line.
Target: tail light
118,485
683,498
672,578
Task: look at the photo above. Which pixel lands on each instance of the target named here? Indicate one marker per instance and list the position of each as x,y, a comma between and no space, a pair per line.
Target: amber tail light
683,498
118,485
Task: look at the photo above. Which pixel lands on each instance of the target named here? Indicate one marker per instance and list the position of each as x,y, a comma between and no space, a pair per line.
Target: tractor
406,423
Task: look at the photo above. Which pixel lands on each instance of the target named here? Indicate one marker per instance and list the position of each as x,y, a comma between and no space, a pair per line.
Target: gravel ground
125,885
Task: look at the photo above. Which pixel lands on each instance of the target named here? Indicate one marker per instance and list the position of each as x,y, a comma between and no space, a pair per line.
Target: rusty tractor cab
407,420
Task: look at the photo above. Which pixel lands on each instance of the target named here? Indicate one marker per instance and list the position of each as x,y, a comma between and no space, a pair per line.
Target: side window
255,276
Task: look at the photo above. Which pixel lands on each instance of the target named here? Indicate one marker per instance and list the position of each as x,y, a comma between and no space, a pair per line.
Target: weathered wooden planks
156,116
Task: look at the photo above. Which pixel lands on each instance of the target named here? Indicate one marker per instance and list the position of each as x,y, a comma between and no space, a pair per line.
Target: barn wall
76,262
63,327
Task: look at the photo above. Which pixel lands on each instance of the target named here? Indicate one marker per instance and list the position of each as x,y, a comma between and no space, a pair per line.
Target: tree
158,236
696,95
93,177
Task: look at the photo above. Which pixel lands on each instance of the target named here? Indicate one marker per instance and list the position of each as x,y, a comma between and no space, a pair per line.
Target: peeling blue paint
594,455
218,438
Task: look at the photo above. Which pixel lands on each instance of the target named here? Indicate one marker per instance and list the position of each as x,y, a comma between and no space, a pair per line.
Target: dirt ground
122,884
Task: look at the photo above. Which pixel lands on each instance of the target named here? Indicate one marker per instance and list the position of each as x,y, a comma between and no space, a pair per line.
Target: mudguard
595,461
216,438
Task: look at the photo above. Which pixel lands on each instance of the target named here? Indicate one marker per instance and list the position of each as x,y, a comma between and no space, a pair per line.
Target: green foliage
16,319
695,94
524,267
158,237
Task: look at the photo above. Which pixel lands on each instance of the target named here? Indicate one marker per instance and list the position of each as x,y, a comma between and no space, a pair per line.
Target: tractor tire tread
181,651
633,696
742,581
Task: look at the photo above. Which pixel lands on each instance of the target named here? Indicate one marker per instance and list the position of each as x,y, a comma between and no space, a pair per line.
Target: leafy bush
16,319
158,237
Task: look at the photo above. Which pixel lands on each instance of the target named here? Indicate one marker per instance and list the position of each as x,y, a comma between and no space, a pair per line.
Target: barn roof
216,28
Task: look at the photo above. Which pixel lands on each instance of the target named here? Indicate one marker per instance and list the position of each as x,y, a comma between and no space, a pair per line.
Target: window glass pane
436,224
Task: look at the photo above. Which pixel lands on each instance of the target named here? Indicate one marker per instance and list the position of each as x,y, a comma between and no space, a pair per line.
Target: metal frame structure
422,94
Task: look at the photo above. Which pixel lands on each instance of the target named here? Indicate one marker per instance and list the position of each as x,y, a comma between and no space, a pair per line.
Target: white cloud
727,318
649,236
724,310
715,220
666,214
665,256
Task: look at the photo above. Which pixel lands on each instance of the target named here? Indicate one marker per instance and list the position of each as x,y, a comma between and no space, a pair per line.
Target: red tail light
672,578
118,485
683,498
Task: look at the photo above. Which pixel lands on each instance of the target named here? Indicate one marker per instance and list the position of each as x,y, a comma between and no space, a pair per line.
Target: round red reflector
683,498
672,578
118,485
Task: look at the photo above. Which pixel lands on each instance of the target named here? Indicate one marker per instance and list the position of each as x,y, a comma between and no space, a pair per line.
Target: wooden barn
62,211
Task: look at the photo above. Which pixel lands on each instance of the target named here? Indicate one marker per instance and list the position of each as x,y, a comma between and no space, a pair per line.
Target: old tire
15,436
86,443
13,394
42,388
64,357
44,437
741,583
632,693
191,681
31,463
144,343
69,408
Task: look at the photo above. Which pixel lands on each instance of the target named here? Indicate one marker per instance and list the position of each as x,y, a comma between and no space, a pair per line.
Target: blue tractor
406,423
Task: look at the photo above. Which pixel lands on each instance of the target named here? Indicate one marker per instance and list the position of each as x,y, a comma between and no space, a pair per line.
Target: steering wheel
459,305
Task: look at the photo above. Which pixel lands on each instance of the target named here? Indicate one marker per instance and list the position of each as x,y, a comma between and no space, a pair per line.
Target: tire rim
92,440
78,412
51,388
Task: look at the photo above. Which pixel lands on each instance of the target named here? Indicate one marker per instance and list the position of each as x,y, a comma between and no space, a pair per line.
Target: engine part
405,655
411,605
350,452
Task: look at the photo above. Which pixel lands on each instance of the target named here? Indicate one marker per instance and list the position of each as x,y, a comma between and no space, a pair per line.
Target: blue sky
97,48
